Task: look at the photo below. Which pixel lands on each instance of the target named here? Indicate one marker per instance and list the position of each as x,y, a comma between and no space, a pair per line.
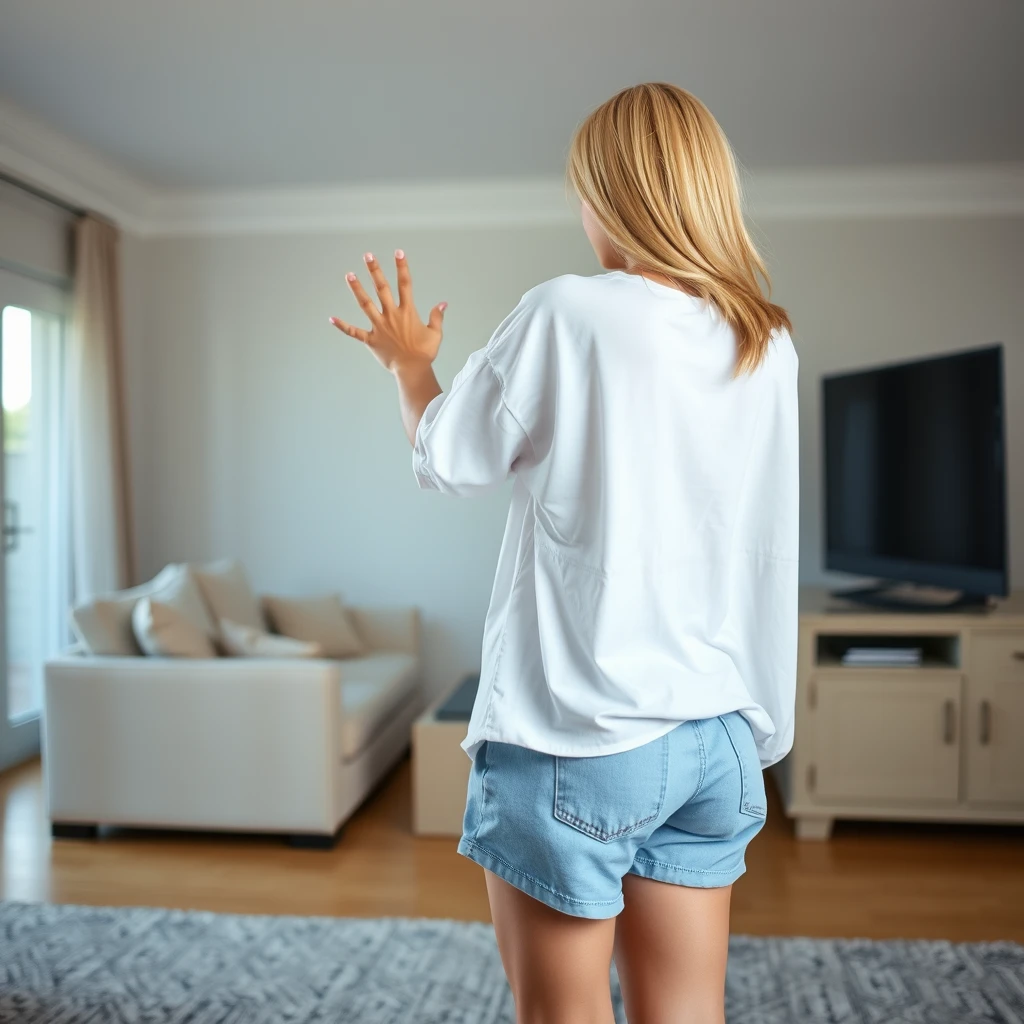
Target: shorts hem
692,878
594,909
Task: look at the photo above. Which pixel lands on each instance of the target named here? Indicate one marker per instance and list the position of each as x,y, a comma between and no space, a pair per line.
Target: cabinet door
995,719
887,736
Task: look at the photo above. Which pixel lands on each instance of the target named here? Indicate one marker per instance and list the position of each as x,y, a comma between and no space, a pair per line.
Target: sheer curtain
103,532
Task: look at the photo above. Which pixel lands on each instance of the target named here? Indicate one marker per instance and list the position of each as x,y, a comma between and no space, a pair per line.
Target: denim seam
597,833
679,868
664,772
746,807
537,881
483,788
703,757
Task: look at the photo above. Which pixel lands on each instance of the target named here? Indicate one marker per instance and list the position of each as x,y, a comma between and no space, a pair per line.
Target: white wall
258,431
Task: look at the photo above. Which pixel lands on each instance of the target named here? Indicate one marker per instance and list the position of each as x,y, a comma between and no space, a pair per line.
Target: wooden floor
873,881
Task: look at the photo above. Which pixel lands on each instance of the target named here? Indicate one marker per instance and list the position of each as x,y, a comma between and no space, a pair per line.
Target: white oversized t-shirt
648,574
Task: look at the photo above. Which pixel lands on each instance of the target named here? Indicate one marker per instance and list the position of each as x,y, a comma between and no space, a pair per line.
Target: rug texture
94,965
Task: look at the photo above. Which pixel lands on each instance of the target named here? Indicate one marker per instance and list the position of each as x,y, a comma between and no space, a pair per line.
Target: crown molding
36,153
841,194
480,203
943,190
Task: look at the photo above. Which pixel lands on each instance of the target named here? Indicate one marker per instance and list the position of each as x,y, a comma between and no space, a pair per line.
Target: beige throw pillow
165,631
181,592
228,595
319,620
103,624
242,641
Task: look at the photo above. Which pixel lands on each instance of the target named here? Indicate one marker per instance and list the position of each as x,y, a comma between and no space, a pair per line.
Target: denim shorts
566,830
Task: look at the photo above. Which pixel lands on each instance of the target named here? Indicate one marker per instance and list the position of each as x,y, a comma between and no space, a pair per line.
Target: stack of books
882,657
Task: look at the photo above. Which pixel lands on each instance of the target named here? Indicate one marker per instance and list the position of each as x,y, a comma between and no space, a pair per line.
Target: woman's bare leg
671,947
558,965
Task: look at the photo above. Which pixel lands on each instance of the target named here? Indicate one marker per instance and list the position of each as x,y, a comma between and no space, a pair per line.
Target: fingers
352,332
437,316
380,281
366,304
404,279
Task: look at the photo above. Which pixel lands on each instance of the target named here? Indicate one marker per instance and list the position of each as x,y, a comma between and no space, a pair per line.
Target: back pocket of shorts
753,800
612,795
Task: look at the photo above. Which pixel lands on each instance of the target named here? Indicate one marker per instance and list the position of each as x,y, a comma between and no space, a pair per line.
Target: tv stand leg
815,829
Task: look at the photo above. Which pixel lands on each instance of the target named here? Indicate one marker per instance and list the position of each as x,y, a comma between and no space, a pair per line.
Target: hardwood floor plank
871,880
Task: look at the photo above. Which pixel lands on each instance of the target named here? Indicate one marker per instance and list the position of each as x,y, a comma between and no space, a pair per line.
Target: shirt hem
473,742
768,751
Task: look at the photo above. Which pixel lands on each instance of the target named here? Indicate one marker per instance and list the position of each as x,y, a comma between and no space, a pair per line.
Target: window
35,534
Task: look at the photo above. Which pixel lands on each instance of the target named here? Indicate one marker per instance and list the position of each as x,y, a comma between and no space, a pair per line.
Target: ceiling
226,94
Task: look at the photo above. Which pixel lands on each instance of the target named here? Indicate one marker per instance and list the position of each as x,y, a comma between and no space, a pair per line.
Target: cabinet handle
985,723
949,712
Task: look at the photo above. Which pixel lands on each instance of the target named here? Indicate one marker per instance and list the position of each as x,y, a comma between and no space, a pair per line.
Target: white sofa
242,744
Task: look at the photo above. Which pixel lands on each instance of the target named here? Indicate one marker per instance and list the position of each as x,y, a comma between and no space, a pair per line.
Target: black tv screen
915,472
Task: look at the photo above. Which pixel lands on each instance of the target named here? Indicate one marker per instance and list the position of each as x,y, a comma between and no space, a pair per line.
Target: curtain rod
47,197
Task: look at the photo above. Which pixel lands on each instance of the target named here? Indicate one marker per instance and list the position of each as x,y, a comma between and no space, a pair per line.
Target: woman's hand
399,339
402,342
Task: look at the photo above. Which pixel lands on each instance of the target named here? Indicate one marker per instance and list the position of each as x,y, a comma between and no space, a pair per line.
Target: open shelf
937,651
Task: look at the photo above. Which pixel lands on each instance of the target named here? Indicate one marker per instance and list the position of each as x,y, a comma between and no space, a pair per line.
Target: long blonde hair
658,172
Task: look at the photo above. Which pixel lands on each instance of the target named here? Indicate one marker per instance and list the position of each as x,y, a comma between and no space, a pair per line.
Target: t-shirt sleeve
473,438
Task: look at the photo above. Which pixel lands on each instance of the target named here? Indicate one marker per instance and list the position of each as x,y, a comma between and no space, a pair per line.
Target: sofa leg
315,840
72,830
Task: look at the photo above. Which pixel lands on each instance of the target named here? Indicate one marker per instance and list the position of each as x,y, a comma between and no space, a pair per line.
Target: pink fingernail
399,254
350,276
442,306
331,320
368,257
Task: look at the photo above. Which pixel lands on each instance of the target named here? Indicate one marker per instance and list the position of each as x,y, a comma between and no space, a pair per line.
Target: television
915,475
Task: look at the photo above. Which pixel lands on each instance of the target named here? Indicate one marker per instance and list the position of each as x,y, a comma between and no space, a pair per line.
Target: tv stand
942,740
904,597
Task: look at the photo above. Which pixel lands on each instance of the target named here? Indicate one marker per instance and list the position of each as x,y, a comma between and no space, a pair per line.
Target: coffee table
440,767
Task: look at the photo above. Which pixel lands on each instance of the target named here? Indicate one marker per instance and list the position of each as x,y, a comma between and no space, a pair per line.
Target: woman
639,650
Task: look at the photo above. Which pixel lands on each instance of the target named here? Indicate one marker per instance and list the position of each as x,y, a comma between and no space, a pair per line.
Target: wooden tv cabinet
939,742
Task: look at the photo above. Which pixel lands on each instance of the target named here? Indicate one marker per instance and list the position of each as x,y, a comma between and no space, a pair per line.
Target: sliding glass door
35,568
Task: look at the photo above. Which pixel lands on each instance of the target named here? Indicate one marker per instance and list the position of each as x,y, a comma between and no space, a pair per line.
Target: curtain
103,541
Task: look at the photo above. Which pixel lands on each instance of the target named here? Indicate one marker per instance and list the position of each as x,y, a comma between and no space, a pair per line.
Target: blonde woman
639,650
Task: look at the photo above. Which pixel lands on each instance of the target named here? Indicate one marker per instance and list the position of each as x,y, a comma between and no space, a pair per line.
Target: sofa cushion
241,641
103,624
319,620
372,688
227,593
166,631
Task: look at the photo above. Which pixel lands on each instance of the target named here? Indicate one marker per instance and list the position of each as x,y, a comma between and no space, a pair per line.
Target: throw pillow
181,592
103,624
319,620
243,641
226,591
165,631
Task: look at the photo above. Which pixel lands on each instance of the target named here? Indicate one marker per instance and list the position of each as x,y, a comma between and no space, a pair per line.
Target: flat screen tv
915,473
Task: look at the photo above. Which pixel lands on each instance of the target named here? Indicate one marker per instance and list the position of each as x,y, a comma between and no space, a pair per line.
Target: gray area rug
93,965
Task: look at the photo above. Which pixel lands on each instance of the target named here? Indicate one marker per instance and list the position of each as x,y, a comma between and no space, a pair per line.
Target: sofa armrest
389,629
228,742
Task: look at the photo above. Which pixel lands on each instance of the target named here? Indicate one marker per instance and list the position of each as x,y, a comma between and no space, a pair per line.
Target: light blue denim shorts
566,830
